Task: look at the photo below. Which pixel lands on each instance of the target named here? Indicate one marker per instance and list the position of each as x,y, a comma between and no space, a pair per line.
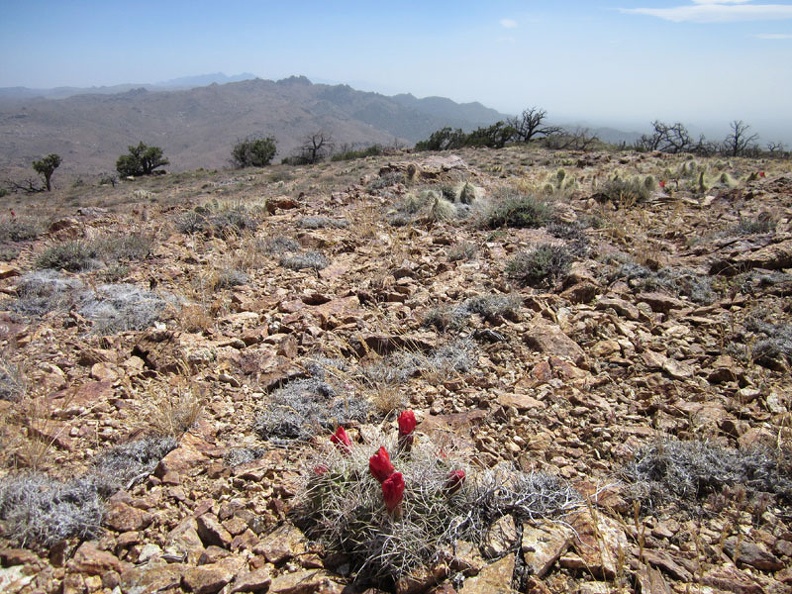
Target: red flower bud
393,491
761,174
407,422
456,478
341,440
321,469
661,183
380,465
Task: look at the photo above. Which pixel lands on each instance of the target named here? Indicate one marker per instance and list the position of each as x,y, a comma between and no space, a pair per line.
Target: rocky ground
177,351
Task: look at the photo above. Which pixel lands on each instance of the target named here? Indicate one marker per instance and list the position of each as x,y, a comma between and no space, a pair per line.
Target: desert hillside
595,347
197,128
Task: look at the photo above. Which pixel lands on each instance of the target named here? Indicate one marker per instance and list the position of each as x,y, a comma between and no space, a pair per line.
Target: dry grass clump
18,229
73,256
311,260
304,407
217,220
341,505
542,267
492,308
133,246
122,307
322,223
684,472
677,281
13,384
36,509
517,211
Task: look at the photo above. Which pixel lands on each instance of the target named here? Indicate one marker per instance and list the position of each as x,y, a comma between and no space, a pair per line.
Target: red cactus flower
341,440
393,491
407,425
456,478
661,183
407,422
321,469
380,465
761,174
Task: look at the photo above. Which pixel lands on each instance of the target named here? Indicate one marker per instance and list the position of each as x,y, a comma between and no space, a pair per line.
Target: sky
701,62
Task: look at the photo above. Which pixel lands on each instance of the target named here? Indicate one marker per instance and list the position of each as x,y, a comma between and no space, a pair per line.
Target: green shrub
18,229
518,212
542,267
253,152
134,246
141,160
72,256
348,155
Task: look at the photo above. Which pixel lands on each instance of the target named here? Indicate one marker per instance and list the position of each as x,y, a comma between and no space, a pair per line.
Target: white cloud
508,23
717,11
774,36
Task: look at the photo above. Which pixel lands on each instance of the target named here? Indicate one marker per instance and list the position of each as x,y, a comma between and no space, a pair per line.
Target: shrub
678,281
126,464
348,155
682,472
307,407
518,212
12,381
764,222
121,307
312,259
134,246
18,229
322,223
39,510
45,291
464,250
72,256
214,220
253,152
141,160
542,267
774,345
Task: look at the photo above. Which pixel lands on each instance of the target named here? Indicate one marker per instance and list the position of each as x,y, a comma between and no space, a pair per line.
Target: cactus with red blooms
397,516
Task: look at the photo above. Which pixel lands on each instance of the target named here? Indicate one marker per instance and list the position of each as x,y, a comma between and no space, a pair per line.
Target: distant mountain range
197,120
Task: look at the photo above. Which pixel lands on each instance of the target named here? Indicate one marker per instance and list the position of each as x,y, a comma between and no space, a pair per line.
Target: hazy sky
696,61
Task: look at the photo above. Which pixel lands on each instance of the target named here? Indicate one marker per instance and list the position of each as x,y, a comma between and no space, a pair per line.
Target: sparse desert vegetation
570,368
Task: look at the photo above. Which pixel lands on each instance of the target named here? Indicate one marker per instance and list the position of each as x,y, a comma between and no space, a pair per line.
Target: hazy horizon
623,63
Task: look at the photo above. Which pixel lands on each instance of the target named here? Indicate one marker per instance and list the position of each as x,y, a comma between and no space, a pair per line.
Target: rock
600,542
212,532
184,458
420,580
542,546
493,579
283,543
253,581
7,271
521,402
660,302
730,579
745,552
650,581
125,518
208,579
466,559
547,338
90,560
152,577
623,308
184,542
16,578
305,582
501,537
